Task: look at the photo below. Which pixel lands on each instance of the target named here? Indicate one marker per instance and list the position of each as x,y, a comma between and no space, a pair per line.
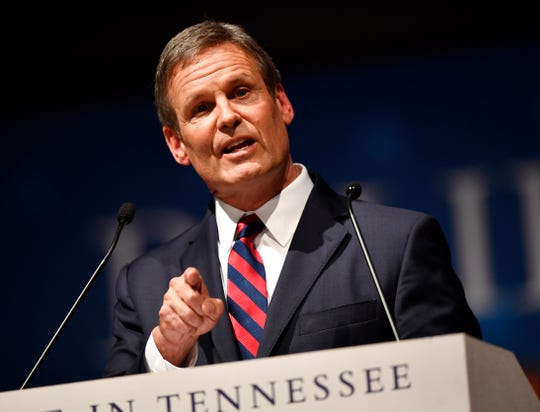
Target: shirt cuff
156,363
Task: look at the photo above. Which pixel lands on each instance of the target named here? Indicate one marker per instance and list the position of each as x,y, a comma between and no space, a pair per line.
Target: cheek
199,147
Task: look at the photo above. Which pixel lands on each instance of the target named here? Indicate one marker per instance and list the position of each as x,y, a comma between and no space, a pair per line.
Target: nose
228,118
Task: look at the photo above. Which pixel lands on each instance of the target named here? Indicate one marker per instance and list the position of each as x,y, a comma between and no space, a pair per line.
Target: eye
200,108
241,92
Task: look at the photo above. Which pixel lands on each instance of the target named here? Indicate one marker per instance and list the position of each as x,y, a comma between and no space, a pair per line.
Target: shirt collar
280,214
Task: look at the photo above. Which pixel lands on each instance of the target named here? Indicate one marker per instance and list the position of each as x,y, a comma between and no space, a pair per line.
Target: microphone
353,191
124,217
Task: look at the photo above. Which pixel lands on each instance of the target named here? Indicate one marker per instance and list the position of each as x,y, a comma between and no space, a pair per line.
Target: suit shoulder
391,212
168,252
394,220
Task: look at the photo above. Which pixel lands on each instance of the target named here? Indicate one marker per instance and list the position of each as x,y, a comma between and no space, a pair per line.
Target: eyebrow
233,82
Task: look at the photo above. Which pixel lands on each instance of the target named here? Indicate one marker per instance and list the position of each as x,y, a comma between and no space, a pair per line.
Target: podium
454,373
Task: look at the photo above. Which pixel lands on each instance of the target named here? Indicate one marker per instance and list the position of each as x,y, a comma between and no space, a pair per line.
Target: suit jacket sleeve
127,355
430,298
140,287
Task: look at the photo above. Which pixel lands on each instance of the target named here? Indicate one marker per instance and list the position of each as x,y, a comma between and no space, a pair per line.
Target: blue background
80,139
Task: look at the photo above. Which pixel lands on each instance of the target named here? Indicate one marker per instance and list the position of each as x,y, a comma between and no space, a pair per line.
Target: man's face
233,131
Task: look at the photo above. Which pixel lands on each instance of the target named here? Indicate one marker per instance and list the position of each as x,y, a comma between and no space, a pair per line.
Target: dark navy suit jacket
325,297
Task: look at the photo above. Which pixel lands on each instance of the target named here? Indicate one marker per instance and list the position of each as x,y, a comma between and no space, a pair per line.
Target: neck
252,195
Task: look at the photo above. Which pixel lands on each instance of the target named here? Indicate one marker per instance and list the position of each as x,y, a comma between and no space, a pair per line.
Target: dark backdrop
436,110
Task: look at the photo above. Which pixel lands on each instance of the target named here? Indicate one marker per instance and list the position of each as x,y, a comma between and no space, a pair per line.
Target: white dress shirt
280,215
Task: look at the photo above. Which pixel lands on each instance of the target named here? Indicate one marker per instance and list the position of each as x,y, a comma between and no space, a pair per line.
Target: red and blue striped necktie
247,296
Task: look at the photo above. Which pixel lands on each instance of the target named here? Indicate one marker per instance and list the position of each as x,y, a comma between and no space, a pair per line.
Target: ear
176,146
287,111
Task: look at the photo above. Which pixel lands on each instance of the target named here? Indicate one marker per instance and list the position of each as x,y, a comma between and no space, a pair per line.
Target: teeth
238,145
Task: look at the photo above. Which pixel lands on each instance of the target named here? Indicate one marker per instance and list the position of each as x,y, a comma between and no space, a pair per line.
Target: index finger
193,279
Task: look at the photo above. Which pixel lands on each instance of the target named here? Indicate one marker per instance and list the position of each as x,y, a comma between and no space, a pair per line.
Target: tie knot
248,226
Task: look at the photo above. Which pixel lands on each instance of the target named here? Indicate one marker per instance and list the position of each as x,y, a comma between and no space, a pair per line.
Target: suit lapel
203,254
317,237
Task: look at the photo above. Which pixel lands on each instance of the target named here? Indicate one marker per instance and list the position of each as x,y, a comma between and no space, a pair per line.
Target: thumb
213,308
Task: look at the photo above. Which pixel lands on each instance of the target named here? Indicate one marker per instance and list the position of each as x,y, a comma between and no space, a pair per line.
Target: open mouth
238,146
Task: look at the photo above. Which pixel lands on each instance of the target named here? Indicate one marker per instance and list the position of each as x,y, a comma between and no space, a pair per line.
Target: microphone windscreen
126,213
353,190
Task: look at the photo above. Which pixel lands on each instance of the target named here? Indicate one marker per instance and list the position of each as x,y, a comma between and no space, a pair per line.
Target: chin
245,172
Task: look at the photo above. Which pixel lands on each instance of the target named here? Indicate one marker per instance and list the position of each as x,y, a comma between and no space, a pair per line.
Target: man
224,112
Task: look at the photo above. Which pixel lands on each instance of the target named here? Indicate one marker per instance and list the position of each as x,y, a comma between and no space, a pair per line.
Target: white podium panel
454,373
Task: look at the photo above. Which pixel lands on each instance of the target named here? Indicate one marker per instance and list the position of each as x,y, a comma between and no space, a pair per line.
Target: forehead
213,68
226,47
214,61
